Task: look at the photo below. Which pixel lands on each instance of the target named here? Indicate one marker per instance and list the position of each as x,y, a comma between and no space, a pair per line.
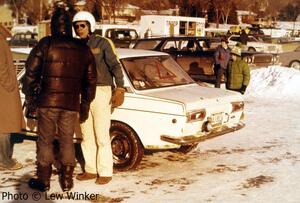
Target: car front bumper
193,139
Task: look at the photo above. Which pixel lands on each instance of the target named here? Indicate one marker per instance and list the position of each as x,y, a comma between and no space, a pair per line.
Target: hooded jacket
62,66
238,74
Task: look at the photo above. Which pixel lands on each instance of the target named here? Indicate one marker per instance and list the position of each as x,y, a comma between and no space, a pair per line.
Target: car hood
194,96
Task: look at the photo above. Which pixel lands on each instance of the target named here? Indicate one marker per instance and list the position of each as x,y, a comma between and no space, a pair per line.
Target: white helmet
85,16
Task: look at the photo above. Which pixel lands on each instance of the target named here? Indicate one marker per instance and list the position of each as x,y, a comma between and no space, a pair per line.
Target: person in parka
238,73
11,115
64,68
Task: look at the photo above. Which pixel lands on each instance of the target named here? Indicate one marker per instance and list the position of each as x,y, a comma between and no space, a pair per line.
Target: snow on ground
259,163
275,82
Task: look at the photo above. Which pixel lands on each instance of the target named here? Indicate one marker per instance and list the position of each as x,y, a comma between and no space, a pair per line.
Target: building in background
246,17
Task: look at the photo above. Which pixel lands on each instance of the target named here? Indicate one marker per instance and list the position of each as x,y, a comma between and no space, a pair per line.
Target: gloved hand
30,108
243,89
117,97
84,112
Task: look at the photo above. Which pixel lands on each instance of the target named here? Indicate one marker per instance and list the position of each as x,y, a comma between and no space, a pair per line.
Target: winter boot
66,178
42,182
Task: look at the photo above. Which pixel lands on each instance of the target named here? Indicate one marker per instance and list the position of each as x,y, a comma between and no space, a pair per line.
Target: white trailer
162,25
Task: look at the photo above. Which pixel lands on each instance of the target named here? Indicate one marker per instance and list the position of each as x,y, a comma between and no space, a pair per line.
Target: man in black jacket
61,76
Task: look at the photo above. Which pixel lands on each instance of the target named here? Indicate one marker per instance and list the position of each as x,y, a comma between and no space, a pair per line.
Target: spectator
238,72
62,68
221,58
11,115
96,145
244,38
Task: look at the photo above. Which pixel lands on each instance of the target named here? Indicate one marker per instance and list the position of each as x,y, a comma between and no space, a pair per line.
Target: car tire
295,65
126,146
185,149
252,49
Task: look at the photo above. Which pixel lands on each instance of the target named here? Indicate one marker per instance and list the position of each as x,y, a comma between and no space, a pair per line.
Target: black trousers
54,123
219,72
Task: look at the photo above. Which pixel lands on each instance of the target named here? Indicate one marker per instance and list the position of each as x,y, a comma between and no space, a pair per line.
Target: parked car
253,44
165,109
121,35
19,57
27,39
290,59
195,54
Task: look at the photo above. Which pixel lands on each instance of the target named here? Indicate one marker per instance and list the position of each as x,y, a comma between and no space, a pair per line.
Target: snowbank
275,82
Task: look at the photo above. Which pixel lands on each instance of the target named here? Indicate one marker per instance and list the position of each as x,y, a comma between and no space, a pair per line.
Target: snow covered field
259,163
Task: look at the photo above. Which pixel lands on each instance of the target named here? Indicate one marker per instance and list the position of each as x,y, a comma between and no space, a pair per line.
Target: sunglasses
77,26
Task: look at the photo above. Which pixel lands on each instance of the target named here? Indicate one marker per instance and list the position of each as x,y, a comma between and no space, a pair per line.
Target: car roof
127,53
122,53
174,37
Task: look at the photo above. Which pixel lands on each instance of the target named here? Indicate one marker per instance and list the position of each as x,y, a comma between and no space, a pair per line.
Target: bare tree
29,8
109,6
227,6
215,7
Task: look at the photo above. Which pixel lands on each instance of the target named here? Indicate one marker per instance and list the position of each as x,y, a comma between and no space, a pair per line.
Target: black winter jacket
66,68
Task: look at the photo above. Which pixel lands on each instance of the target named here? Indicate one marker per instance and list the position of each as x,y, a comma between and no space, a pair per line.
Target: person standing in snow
96,144
238,73
63,68
244,38
11,115
221,58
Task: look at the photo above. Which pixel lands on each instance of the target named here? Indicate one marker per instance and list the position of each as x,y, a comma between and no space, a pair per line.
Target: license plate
216,118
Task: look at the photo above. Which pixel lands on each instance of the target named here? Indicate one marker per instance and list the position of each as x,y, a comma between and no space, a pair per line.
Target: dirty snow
259,163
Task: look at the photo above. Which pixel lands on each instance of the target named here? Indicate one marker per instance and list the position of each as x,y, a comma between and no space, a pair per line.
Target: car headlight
237,106
198,115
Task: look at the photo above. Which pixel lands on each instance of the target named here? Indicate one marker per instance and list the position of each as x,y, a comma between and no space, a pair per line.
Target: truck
163,25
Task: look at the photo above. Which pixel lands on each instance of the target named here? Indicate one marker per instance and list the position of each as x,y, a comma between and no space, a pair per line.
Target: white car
254,44
165,109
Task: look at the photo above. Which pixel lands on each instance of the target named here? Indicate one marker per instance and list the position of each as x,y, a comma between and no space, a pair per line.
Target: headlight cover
237,106
197,115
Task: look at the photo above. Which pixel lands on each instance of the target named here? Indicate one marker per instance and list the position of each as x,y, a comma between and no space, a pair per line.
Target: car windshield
154,72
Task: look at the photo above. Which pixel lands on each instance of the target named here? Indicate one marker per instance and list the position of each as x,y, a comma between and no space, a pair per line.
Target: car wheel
252,49
126,146
187,148
295,64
